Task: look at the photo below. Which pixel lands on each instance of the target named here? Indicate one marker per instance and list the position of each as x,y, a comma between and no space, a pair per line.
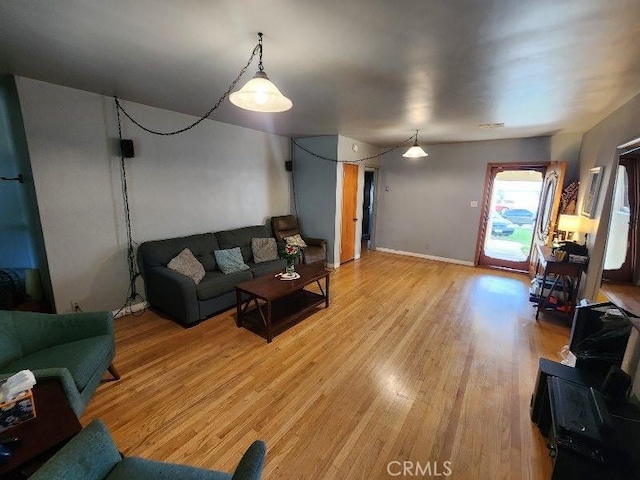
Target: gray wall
213,177
21,242
599,149
315,188
424,204
567,147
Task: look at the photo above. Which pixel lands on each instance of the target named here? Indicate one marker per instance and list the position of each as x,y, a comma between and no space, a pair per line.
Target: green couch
76,348
92,455
177,295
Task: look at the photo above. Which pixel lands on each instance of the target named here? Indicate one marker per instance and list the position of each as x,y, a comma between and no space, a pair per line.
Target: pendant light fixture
259,94
416,150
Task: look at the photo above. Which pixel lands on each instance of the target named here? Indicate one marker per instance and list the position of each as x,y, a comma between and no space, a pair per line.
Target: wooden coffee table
55,424
279,304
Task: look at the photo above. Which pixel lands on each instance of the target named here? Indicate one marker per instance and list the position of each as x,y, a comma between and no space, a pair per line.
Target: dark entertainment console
593,429
587,439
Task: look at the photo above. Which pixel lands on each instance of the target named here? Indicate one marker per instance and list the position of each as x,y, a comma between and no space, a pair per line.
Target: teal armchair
92,455
75,348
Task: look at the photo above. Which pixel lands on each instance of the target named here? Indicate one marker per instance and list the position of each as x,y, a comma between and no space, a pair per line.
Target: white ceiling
372,70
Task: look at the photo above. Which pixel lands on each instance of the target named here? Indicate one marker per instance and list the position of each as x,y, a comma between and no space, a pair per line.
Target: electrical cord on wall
132,292
292,155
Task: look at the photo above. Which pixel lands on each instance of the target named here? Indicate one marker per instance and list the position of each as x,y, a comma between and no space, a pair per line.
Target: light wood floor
415,361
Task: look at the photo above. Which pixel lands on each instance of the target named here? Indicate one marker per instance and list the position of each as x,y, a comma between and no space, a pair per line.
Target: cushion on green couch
80,357
267,268
241,237
230,260
160,252
187,264
217,283
264,249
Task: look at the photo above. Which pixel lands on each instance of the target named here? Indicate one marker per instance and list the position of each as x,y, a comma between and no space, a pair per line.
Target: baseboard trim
427,257
129,309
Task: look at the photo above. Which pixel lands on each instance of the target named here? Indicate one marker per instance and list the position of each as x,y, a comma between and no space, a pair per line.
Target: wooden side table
55,424
569,272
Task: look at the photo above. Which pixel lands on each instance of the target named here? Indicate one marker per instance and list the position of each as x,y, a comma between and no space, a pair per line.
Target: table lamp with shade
573,225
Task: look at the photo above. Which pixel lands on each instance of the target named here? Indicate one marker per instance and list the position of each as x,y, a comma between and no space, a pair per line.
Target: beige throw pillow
186,264
295,240
264,249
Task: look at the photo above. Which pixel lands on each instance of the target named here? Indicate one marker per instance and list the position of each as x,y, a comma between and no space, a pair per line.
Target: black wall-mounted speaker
126,148
288,165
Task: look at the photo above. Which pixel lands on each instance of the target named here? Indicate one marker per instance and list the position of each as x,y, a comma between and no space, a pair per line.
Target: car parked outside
503,204
519,216
501,227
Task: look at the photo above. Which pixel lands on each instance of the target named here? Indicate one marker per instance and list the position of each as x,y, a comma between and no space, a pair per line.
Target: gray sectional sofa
177,295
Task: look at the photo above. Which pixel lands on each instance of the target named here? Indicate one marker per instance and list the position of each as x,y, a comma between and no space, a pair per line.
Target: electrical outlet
75,307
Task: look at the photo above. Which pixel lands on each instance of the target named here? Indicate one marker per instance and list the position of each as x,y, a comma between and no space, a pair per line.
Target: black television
600,341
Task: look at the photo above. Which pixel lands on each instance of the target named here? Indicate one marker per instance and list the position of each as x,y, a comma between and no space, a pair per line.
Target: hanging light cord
335,160
132,293
257,49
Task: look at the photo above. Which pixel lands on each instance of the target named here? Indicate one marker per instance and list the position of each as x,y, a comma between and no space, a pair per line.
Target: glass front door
511,216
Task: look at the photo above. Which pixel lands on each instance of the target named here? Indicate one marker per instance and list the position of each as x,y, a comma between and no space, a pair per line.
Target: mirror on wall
621,253
546,208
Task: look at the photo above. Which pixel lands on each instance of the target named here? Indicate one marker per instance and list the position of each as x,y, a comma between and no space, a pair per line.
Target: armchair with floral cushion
286,229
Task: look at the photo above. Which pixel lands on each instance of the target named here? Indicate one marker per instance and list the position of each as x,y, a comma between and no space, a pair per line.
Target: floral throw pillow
186,264
295,240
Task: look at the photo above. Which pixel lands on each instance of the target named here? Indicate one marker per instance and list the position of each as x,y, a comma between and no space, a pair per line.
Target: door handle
355,219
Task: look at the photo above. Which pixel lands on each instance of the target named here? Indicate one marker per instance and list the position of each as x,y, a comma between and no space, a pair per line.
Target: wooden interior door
547,216
349,218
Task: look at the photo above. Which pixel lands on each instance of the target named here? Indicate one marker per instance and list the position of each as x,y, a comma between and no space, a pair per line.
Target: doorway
367,208
510,210
620,261
349,217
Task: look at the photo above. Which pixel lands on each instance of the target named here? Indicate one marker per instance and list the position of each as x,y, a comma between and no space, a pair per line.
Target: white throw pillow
295,240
